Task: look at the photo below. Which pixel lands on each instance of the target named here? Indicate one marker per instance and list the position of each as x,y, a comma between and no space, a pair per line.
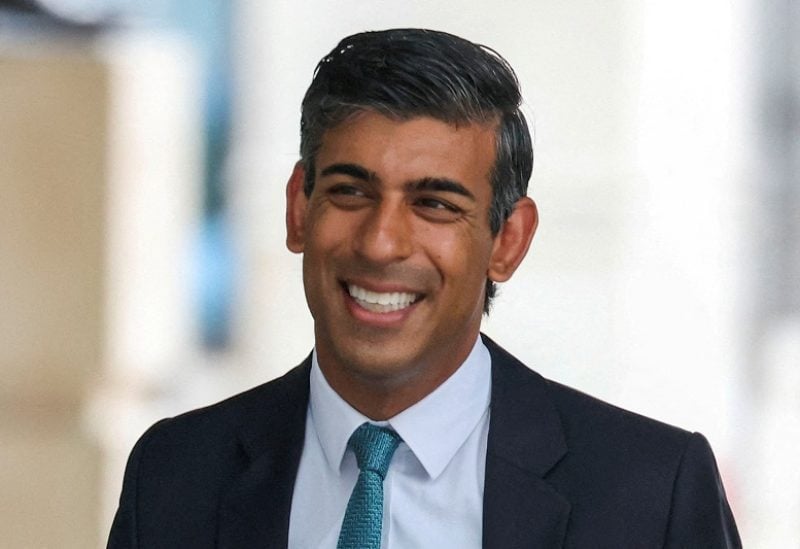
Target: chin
378,360
377,363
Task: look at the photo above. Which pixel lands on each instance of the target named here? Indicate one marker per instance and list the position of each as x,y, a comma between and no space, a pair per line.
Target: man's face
397,248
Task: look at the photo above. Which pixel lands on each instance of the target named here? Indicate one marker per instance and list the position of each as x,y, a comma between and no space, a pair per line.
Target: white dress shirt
433,492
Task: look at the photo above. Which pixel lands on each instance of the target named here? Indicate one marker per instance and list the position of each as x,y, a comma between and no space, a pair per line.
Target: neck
383,396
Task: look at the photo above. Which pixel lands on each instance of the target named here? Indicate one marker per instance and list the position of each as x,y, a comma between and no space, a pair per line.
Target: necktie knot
374,447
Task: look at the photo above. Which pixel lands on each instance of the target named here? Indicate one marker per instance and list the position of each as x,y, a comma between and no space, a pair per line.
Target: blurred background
144,147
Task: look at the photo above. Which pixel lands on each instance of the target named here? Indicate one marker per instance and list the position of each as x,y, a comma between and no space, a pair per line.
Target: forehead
415,147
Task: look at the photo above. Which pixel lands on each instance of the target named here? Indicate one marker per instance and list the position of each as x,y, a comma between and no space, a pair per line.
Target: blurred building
99,203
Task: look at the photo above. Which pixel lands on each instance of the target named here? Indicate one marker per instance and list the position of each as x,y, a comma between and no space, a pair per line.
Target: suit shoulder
587,421
657,474
182,467
264,404
582,413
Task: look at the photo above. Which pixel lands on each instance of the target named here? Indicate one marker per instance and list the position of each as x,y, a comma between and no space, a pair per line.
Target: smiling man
405,427
397,249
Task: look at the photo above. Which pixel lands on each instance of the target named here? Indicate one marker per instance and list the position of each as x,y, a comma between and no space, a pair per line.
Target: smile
379,302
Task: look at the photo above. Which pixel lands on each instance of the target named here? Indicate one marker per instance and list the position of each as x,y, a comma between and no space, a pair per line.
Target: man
406,427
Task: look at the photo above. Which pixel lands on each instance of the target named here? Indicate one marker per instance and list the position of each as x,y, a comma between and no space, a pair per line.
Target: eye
347,196
436,209
345,190
437,204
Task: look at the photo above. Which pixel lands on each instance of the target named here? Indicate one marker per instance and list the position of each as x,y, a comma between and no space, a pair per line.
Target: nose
385,234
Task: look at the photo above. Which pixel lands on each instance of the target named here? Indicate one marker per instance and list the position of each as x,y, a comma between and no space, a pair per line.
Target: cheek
463,257
327,232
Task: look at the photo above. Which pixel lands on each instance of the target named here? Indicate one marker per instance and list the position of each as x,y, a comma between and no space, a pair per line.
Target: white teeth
379,302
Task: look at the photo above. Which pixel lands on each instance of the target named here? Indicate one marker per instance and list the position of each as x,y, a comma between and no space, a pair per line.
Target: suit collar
526,440
255,511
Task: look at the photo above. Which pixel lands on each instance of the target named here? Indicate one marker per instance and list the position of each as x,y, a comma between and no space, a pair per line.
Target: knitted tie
373,447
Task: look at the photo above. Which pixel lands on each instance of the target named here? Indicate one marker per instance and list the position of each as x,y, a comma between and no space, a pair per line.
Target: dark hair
404,73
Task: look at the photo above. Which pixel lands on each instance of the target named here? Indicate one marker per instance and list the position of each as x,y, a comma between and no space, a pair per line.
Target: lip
391,319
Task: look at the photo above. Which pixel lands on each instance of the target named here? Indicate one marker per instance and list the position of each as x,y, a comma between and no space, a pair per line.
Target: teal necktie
373,447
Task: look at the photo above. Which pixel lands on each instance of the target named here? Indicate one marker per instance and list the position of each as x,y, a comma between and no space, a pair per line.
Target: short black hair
405,73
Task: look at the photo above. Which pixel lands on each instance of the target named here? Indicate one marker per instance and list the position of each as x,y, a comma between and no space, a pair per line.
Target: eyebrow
441,184
353,170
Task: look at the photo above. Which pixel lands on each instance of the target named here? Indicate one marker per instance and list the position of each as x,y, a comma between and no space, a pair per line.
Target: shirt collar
433,429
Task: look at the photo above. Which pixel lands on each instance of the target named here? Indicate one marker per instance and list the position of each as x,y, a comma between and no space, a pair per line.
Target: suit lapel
520,509
255,512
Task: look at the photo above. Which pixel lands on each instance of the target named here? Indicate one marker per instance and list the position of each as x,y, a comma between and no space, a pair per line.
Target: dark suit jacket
562,470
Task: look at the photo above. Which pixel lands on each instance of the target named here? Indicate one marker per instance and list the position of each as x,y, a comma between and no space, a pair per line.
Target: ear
512,242
296,202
